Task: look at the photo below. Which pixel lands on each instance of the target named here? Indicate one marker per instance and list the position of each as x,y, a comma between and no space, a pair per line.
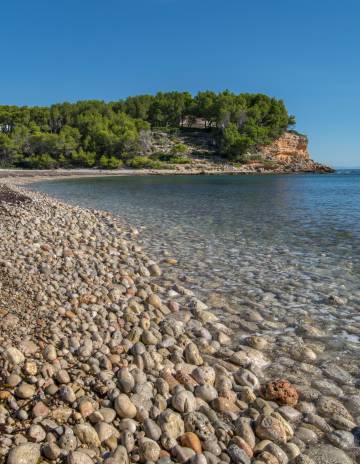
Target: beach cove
114,354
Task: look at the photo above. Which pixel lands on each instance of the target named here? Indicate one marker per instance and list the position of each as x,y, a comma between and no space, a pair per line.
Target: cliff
290,152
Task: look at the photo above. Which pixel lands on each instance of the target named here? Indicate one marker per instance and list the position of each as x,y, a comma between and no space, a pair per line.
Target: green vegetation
145,162
109,135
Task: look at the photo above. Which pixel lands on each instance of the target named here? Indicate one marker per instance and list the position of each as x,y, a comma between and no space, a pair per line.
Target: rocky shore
104,359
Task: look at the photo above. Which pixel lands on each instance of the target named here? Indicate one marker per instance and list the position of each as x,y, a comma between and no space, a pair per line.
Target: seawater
280,245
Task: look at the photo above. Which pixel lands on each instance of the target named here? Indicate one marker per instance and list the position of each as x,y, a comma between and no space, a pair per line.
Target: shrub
179,148
110,162
139,162
83,158
44,161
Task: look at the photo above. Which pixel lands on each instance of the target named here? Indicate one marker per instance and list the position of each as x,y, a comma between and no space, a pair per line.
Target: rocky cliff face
290,151
288,148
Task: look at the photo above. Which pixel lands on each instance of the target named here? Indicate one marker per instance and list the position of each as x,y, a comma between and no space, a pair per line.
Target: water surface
279,244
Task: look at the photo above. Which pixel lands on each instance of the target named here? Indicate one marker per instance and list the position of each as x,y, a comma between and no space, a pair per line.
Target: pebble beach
106,358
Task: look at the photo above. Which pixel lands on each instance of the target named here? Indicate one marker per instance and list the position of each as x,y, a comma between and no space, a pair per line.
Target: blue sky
305,52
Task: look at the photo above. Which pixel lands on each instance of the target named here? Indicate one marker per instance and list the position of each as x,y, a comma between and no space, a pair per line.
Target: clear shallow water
280,245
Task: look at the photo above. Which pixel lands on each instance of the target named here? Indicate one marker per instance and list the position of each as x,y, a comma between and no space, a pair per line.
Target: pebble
27,453
199,424
87,434
282,392
76,457
36,433
149,450
152,430
237,455
14,355
270,428
51,451
191,440
327,454
124,407
25,391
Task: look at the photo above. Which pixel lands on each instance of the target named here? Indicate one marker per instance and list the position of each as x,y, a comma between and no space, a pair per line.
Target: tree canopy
95,133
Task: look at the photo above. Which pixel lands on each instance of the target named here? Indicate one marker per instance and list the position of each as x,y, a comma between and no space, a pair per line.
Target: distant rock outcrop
290,151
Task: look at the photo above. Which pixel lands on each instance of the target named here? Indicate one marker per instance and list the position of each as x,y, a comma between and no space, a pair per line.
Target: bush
174,159
110,162
179,148
44,161
83,159
145,162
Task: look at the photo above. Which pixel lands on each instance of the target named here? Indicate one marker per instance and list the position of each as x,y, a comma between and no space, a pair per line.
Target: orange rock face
282,392
290,153
288,148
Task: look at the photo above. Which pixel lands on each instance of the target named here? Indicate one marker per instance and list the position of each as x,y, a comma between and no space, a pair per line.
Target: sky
305,52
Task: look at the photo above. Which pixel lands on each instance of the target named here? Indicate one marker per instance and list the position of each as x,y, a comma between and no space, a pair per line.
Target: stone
51,451
87,434
199,424
77,457
36,433
204,375
327,454
247,379
68,442
282,392
27,453
86,407
328,407
30,368
62,414
238,455
149,450
151,429
171,423
206,392
184,401
154,300
14,356
306,435
121,455
105,431
191,440
290,414
126,380
276,451
241,443
270,428
50,353
302,459
224,405
244,430
267,458
341,439
67,394
108,414
13,380
62,376
124,407
25,391
192,354
40,410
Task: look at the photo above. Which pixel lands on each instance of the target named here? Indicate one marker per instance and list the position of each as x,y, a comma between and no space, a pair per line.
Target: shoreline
76,173
184,394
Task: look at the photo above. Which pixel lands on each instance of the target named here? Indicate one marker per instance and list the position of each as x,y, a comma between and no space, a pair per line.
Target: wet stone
237,455
328,454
